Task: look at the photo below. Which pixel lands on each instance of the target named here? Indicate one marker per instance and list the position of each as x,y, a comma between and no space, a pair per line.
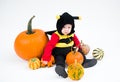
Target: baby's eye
69,27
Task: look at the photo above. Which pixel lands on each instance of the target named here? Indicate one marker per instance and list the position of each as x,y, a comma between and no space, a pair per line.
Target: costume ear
74,17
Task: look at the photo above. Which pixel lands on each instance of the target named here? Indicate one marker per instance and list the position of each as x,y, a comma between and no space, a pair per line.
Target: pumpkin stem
33,60
75,61
82,43
75,49
29,28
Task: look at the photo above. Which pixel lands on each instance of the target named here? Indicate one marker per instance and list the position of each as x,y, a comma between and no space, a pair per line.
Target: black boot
61,71
89,63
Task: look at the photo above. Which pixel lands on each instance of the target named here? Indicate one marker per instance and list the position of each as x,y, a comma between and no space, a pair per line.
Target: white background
99,28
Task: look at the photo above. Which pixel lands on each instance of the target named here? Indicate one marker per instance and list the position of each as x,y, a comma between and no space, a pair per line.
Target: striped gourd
34,63
75,71
98,53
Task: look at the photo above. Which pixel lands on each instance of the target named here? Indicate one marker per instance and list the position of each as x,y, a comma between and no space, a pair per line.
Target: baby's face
66,29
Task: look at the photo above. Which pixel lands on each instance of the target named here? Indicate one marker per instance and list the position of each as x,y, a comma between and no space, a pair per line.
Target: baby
60,44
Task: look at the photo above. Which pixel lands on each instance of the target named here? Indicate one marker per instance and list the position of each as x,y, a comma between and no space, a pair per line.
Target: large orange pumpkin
30,43
72,56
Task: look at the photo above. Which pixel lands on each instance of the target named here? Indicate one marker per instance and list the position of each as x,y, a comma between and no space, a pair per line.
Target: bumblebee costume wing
50,32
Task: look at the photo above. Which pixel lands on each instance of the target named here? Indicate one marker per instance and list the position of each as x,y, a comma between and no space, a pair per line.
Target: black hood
65,18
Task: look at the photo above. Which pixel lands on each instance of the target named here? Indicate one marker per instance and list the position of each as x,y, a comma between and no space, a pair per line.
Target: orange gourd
30,43
72,56
50,63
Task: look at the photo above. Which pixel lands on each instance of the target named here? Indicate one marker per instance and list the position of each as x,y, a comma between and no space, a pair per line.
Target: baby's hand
48,63
44,63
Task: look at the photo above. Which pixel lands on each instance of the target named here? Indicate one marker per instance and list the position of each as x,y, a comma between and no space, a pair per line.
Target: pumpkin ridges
34,63
98,53
38,64
35,66
75,71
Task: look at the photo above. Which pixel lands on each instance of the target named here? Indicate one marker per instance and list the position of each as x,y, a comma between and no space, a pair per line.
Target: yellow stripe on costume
64,37
64,44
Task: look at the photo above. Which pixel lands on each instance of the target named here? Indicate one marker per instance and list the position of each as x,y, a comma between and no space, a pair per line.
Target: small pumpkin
50,63
74,55
34,63
75,71
30,43
85,48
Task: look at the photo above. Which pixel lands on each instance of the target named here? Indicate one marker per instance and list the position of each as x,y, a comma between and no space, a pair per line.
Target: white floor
99,28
